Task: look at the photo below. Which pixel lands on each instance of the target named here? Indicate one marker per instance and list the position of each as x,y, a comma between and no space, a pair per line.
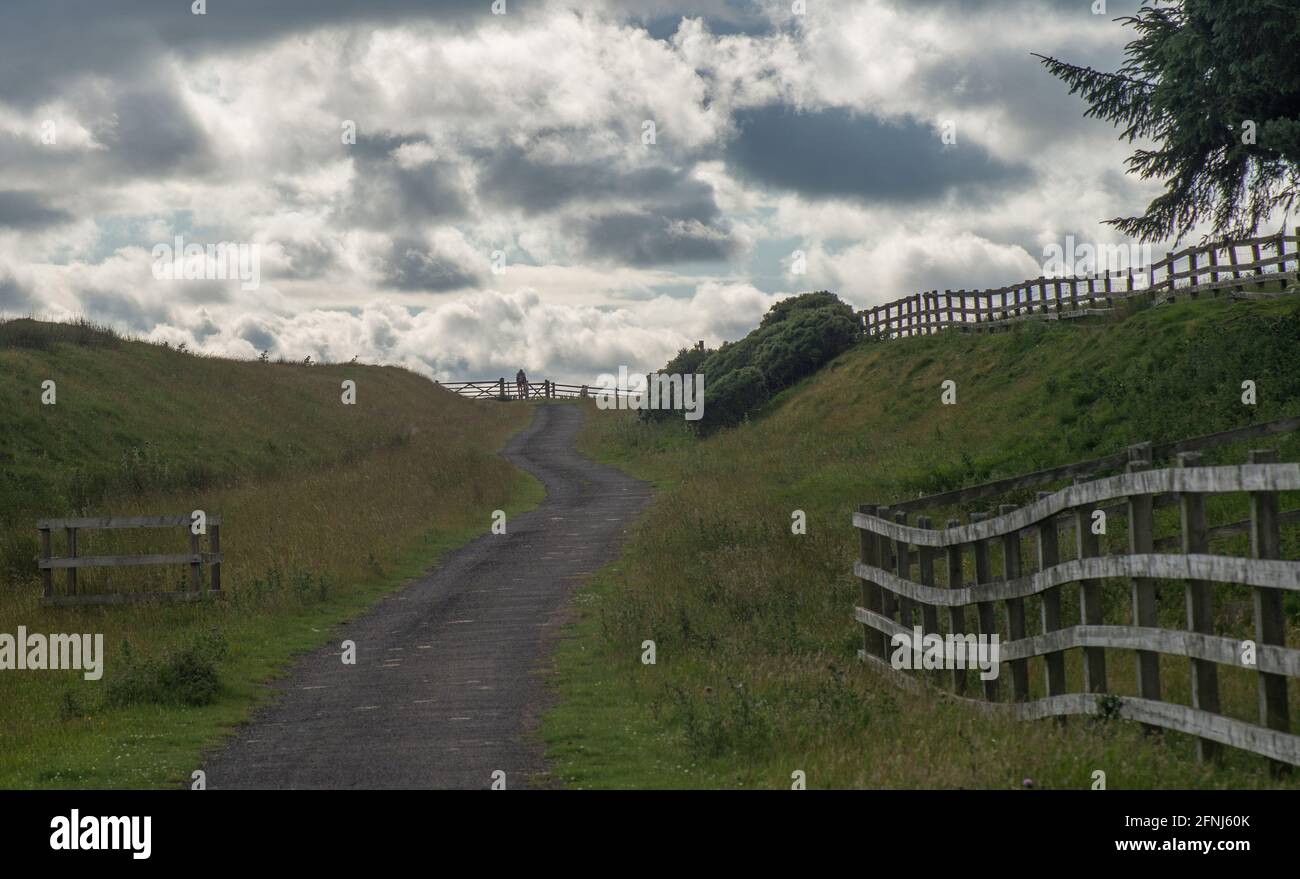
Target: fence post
984,609
1200,606
1049,555
1214,263
1140,541
957,612
1090,606
72,554
888,600
214,544
1232,260
1011,570
501,387
195,549
903,560
47,575
925,569
1270,622
873,641
1256,258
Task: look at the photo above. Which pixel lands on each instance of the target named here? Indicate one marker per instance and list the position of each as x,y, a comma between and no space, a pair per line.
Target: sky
565,188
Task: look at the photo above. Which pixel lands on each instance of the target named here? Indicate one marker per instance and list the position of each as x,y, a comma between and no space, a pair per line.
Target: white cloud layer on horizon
523,134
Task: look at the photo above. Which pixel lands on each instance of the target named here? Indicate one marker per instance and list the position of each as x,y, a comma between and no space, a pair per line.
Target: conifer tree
1214,87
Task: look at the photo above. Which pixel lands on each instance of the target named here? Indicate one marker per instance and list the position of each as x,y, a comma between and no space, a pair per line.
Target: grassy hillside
756,675
325,506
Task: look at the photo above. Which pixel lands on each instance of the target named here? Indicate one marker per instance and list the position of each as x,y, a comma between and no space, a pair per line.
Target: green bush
187,676
729,400
796,337
788,308
802,343
688,362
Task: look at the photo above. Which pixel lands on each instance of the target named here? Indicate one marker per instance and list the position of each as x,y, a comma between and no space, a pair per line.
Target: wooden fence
195,558
1206,268
500,389
898,563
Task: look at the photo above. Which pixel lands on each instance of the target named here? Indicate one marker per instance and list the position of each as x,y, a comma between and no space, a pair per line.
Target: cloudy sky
507,201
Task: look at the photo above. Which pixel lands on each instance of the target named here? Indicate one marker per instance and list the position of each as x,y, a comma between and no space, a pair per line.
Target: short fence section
71,562
1206,268
1020,570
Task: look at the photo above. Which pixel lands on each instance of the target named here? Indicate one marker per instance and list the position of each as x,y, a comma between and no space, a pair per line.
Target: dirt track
447,685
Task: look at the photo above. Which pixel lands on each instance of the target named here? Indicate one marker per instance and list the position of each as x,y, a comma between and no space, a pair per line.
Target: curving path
447,683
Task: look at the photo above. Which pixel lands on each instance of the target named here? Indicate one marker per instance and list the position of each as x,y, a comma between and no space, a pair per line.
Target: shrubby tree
732,398
787,308
687,362
806,340
1215,85
795,338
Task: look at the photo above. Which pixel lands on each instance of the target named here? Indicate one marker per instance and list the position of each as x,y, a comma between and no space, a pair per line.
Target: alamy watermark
1082,259
919,650
37,652
222,261
77,832
658,390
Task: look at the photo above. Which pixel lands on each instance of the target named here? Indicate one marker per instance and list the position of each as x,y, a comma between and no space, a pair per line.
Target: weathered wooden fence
1205,268
501,389
71,562
911,569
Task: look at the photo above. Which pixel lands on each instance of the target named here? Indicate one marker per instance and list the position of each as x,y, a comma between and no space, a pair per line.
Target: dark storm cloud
509,177
836,154
692,232
13,298
306,259
114,307
1042,103
661,18
383,194
46,43
28,210
141,131
413,266
151,134
1112,8
258,336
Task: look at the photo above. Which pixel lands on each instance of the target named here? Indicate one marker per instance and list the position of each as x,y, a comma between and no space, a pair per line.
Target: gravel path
447,682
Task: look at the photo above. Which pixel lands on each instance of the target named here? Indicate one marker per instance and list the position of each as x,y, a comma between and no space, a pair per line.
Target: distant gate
500,389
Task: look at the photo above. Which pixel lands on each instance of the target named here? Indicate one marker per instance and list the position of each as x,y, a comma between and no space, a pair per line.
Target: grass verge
756,676
326,507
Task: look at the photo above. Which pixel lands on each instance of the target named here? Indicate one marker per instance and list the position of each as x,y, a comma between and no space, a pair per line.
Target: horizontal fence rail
1208,268
1021,596
71,563
1157,452
500,389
